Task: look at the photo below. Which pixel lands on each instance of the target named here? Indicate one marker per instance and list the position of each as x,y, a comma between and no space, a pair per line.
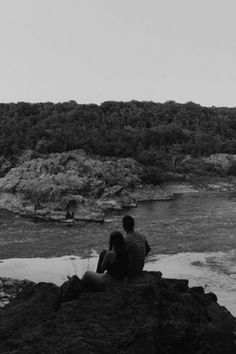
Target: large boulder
116,197
147,314
39,187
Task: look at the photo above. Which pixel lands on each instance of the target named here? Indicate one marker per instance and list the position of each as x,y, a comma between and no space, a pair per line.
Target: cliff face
49,187
146,315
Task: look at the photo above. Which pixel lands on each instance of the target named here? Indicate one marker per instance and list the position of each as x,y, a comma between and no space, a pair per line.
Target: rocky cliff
148,314
48,187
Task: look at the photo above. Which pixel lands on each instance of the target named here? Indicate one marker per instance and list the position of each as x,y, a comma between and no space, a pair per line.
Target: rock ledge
148,314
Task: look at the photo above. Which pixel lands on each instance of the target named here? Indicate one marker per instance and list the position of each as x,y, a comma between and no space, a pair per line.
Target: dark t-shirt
136,247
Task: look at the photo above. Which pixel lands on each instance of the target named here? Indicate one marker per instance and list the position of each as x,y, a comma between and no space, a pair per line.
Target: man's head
128,223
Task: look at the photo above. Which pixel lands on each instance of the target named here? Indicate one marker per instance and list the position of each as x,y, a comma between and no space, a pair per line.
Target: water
192,237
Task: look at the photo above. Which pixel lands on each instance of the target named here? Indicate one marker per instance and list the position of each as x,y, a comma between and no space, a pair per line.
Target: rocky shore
148,314
49,186
88,186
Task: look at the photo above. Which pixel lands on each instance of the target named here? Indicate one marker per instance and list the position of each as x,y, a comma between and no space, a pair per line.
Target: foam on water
54,269
215,271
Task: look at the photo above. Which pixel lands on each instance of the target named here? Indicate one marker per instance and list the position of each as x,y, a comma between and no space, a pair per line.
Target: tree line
155,134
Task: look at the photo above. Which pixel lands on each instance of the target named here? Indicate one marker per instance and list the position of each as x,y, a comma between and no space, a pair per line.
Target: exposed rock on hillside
147,315
222,160
48,187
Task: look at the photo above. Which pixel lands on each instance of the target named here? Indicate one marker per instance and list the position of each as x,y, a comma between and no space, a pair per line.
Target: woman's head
117,241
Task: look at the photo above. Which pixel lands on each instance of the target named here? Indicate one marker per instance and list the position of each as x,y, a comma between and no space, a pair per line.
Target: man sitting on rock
137,246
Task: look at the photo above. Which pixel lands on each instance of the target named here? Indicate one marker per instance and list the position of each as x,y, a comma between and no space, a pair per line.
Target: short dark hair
128,222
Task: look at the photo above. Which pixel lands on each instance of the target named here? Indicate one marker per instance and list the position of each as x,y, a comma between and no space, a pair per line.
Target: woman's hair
117,241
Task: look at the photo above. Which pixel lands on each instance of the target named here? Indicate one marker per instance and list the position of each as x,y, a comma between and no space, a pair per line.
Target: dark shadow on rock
147,314
72,289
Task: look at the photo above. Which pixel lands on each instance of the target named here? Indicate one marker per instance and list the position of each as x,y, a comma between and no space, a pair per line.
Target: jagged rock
40,187
112,191
108,204
147,314
10,288
221,159
115,198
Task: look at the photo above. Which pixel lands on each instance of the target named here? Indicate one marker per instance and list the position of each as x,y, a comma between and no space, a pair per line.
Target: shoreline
202,184
197,267
166,191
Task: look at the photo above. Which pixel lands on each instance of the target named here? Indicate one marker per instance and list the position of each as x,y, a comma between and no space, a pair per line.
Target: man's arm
147,247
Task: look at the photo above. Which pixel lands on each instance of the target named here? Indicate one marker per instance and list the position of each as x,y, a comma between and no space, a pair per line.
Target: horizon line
117,101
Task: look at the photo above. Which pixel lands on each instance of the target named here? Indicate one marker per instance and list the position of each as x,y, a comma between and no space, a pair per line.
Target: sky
93,51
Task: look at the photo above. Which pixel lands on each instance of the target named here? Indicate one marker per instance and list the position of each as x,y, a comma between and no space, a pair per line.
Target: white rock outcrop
47,187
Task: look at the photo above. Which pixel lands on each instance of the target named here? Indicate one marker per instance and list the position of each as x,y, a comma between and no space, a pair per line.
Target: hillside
156,135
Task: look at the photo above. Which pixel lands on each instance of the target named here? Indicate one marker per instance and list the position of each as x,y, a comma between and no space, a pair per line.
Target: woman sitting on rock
112,265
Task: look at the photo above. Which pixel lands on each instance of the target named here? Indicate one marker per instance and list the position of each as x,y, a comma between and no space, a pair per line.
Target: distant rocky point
49,186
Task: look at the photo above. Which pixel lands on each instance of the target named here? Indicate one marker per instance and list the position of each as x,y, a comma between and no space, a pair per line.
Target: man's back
137,251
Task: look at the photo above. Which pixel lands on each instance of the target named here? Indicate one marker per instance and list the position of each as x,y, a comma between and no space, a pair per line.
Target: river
192,237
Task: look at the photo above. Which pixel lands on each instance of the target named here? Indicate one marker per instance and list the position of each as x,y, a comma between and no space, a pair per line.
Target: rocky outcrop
222,160
47,187
146,315
10,288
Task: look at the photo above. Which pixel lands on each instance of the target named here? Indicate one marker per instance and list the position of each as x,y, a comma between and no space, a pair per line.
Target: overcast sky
97,50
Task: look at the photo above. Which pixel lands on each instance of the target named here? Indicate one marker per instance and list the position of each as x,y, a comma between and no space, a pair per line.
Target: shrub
147,157
232,169
151,175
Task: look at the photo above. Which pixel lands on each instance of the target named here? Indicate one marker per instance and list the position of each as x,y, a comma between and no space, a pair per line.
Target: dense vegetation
153,133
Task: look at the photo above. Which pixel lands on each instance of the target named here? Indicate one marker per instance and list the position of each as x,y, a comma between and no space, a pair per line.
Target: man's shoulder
139,234
135,236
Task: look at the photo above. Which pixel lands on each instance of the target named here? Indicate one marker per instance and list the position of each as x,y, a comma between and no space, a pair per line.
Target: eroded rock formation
47,187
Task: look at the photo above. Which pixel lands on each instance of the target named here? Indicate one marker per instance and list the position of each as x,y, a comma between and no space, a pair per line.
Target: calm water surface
191,223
